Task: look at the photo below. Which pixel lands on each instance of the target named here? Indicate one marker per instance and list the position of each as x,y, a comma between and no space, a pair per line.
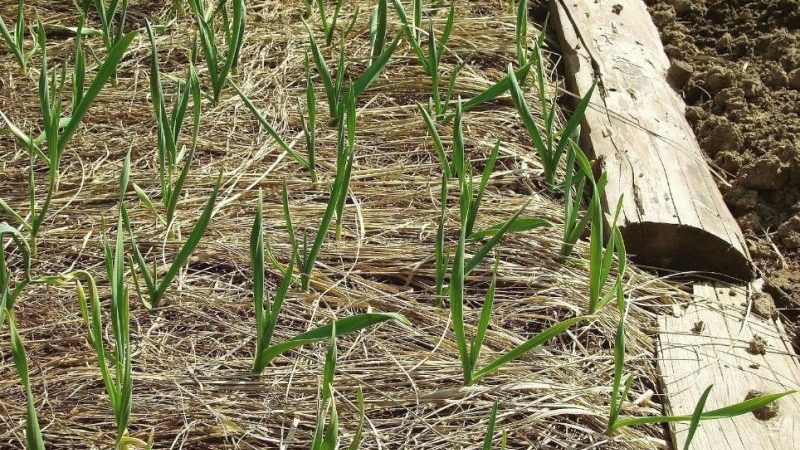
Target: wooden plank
720,354
673,213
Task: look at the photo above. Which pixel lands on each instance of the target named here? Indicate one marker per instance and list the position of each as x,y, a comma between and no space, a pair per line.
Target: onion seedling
329,27
549,150
16,41
441,253
57,131
157,288
171,179
117,376
469,353
574,186
310,125
267,313
521,32
430,62
112,29
33,434
326,436
333,87
489,437
338,192
377,30
471,200
9,294
220,66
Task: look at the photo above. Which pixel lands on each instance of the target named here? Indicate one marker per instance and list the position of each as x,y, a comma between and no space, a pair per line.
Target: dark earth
737,64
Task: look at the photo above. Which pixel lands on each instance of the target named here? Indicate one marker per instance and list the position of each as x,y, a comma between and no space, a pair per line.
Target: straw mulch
193,386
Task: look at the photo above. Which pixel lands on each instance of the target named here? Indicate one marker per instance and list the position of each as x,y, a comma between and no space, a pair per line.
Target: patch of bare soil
737,63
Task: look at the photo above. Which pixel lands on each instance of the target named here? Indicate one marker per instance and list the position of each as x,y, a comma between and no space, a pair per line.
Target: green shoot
267,314
734,410
574,186
430,62
157,288
549,150
220,66
333,87
33,434
469,353
57,130
487,440
338,192
327,436
8,294
346,142
112,27
171,179
377,30
442,254
696,416
601,258
117,376
16,41
615,422
620,392
310,125
521,32
329,27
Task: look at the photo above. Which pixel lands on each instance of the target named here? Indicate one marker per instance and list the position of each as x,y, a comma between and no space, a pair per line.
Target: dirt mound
740,66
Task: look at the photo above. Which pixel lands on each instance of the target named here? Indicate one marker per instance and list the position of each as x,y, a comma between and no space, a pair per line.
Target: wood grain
692,358
673,214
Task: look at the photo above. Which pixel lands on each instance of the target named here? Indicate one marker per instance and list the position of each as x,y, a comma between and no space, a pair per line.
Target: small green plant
338,191
462,167
430,62
267,313
171,179
112,27
441,253
470,353
549,149
489,437
521,32
329,27
33,434
310,125
16,41
117,375
333,87
574,186
8,295
377,30
157,288
219,66
326,433
57,130
600,257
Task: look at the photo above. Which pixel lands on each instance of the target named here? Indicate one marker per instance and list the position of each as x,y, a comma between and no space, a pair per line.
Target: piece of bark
673,214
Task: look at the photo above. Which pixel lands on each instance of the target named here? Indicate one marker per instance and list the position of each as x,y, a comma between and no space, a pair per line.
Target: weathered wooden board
718,352
673,213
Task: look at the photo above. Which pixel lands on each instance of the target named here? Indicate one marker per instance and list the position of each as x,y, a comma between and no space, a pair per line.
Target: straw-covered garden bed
191,360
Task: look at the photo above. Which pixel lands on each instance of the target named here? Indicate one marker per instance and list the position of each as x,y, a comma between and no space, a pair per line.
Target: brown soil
737,63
